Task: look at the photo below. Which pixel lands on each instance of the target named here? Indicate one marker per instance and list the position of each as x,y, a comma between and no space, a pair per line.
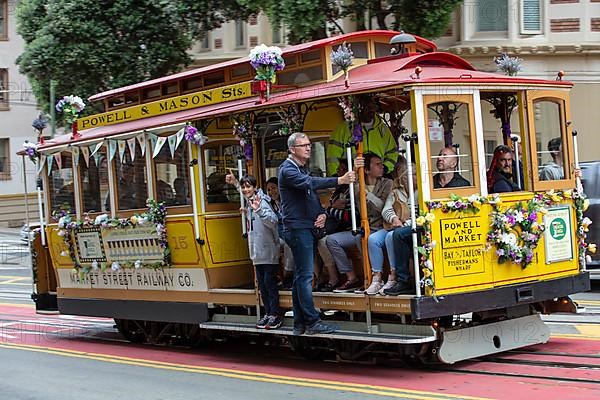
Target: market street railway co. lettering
166,106
462,244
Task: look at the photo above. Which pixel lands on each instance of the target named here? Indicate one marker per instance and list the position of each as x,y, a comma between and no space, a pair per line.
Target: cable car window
93,171
275,152
60,180
172,176
132,187
218,161
317,164
451,144
549,141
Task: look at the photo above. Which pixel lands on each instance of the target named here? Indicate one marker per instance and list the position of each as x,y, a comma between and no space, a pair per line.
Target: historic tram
139,225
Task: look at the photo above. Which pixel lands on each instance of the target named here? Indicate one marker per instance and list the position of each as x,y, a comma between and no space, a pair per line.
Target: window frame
212,207
522,29
114,179
6,175
477,13
4,20
244,31
561,98
469,101
174,209
5,100
104,149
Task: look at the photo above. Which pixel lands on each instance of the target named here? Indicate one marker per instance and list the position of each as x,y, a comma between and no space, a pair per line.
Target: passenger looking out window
447,177
132,187
553,169
172,176
500,173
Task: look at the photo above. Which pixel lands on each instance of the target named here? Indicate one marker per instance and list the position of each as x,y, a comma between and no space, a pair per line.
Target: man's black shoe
400,287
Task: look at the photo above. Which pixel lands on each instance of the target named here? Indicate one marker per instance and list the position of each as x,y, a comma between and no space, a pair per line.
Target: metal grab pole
352,202
457,149
194,199
42,227
516,140
413,214
240,176
576,155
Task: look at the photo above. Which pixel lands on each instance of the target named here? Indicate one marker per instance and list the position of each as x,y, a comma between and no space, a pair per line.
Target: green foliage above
89,46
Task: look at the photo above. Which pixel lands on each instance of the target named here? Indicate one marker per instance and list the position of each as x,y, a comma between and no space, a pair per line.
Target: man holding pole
303,219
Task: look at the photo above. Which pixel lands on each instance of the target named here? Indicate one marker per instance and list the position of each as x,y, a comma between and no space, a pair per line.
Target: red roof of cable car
303,47
436,68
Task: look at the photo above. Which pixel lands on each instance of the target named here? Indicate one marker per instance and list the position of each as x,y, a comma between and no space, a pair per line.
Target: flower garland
424,220
71,106
266,61
31,149
243,130
472,204
291,121
351,109
193,136
156,214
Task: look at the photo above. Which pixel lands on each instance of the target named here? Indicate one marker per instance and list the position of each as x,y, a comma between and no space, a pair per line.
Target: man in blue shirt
303,215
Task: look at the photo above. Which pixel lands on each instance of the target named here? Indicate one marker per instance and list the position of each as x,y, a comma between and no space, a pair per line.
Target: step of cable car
349,330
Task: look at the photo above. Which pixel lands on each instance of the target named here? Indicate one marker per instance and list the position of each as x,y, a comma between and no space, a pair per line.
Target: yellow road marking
588,302
246,375
18,305
14,277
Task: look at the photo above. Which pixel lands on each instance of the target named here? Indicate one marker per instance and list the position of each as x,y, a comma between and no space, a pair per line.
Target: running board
349,330
496,337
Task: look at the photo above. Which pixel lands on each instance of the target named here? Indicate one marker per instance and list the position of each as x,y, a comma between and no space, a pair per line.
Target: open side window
61,187
550,143
218,159
132,181
93,173
451,143
172,178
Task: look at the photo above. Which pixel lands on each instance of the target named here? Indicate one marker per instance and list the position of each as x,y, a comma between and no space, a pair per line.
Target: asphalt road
15,268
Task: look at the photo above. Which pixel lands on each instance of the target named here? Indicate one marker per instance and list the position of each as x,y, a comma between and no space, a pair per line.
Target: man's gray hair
294,137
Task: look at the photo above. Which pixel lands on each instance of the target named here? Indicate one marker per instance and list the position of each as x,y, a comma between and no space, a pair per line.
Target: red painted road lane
256,359
548,358
565,346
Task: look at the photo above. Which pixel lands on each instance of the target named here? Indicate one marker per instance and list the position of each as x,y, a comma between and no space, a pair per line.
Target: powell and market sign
166,106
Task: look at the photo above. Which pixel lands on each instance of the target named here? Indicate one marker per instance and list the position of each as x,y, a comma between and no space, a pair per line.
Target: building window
3,89
240,34
492,15
3,19
4,159
277,34
531,17
205,43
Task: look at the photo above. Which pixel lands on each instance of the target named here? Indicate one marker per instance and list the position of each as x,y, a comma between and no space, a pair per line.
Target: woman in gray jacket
263,243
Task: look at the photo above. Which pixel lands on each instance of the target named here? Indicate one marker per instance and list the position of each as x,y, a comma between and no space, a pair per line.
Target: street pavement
15,268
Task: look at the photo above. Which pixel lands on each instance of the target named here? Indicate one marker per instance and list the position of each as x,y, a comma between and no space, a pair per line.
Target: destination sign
463,240
166,106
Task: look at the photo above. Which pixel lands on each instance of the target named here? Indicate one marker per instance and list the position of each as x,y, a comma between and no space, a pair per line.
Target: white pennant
131,145
75,153
41,163
172,141
152,138
160,142
112,149
180,133
121,144
50,158
142,141
86,155
58,160
94,148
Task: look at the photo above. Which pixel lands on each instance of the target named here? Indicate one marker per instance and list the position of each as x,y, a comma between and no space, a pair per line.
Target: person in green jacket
377,138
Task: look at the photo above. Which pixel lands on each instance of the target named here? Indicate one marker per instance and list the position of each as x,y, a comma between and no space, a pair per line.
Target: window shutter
531,17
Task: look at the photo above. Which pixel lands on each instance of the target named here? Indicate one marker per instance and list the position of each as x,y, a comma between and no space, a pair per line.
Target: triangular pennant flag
58,160
97,159
152,138
172,141
142,141
112,149
131,145
94,148
180,133
121,144
160,141
75,152
86,155
41,163
50,158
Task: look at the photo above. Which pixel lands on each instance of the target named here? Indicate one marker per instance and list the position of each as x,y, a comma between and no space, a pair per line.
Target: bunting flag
142,141
50,158
58,160
97,159
152,138
131,145
112,149
121,144
160,142
94,148
41,163
75,152
180,134
86,155
172,144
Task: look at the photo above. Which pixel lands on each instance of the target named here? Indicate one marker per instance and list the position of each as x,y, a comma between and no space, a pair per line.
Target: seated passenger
447,176
216,188
398,241
553,170
378,189
500,174
182,196
164,192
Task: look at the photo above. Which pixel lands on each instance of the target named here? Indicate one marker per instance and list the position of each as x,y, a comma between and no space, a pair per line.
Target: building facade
17,111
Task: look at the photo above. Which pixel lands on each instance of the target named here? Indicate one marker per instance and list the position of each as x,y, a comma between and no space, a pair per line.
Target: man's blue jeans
303,245
399,249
